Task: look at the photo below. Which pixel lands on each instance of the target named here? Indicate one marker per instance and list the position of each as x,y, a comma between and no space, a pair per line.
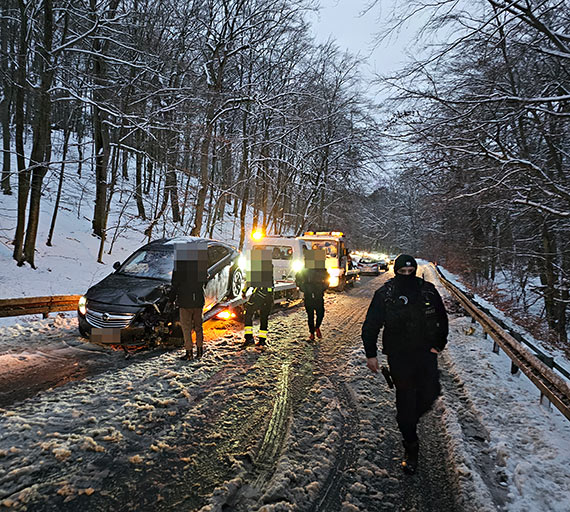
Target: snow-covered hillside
70,265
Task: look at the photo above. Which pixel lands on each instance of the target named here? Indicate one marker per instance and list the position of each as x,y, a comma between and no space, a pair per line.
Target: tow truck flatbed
237,302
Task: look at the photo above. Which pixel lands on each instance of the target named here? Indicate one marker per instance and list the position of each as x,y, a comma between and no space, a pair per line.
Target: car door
219,264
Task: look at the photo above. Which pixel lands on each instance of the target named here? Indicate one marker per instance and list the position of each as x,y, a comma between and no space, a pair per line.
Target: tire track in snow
332,356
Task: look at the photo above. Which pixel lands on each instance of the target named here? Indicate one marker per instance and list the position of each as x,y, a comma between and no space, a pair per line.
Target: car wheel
84,333
236,284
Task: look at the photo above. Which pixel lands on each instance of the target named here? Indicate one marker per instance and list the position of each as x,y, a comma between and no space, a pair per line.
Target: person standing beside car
313,281
415,330
189,277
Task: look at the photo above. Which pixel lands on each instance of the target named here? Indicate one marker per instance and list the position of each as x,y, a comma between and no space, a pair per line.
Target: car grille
105,320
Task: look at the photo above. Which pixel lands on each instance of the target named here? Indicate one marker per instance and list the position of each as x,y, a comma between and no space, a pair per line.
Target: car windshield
363,260
153,264
279,252
329,247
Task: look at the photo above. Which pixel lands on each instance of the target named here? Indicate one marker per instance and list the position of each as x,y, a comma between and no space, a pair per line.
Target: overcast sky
353,29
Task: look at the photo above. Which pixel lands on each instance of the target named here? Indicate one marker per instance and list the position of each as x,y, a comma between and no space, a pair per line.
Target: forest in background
480,124
217,106
195,111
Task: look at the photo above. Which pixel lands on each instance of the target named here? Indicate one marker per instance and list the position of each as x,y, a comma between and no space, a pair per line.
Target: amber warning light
257,235
226,314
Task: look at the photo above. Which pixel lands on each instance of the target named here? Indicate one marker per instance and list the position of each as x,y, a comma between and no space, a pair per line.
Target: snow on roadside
559,356
530,442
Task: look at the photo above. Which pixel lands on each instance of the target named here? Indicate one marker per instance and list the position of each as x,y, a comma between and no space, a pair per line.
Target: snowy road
300,426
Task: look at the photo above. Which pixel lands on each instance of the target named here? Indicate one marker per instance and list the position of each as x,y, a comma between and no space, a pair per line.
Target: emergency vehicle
286,251
339,265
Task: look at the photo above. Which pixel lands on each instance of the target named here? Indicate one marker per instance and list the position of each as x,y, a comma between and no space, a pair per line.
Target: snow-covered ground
503,445
70,265
529,441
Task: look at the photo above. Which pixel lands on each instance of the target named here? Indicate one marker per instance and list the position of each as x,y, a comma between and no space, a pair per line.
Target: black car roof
169,243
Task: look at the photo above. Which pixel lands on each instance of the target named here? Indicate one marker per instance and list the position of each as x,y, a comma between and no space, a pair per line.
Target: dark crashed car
133,304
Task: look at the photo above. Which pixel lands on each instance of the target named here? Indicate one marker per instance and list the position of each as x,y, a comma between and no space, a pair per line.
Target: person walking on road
189,277
259,287
313,280
415,330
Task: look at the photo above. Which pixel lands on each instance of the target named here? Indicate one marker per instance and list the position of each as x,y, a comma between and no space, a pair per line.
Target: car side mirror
117,265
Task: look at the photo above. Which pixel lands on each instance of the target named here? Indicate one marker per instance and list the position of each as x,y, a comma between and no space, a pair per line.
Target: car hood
122,290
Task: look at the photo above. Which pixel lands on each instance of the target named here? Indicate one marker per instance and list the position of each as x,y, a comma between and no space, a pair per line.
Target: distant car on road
383,264
133,300
368,266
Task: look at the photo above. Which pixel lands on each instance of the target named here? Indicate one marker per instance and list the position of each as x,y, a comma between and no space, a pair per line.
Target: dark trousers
258,302
314,305
416,379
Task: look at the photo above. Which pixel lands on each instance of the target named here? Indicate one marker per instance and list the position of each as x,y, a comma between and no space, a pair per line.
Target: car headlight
334,281
82,305
334,272
297,265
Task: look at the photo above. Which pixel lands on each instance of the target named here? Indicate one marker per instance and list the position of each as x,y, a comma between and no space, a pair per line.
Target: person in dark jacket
415,330
189,277
259,290
313,280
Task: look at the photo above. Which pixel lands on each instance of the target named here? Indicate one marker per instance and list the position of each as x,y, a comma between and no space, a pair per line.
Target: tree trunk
149,175
548,277
59,186
100,129
5,106
172,189
41,149
23,171
139,185
204,175
242,215
5,121
80,151
125,159
101,143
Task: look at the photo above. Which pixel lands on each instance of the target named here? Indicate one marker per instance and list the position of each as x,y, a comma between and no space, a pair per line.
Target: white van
287,255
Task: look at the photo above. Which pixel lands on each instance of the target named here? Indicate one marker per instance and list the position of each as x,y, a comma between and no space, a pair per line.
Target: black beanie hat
404,260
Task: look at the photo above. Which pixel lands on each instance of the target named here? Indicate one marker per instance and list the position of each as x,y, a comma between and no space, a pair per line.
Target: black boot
188,356
248,341
199,351
410,462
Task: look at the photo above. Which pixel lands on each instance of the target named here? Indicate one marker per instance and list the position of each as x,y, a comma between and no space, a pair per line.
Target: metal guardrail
533,365
35,305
